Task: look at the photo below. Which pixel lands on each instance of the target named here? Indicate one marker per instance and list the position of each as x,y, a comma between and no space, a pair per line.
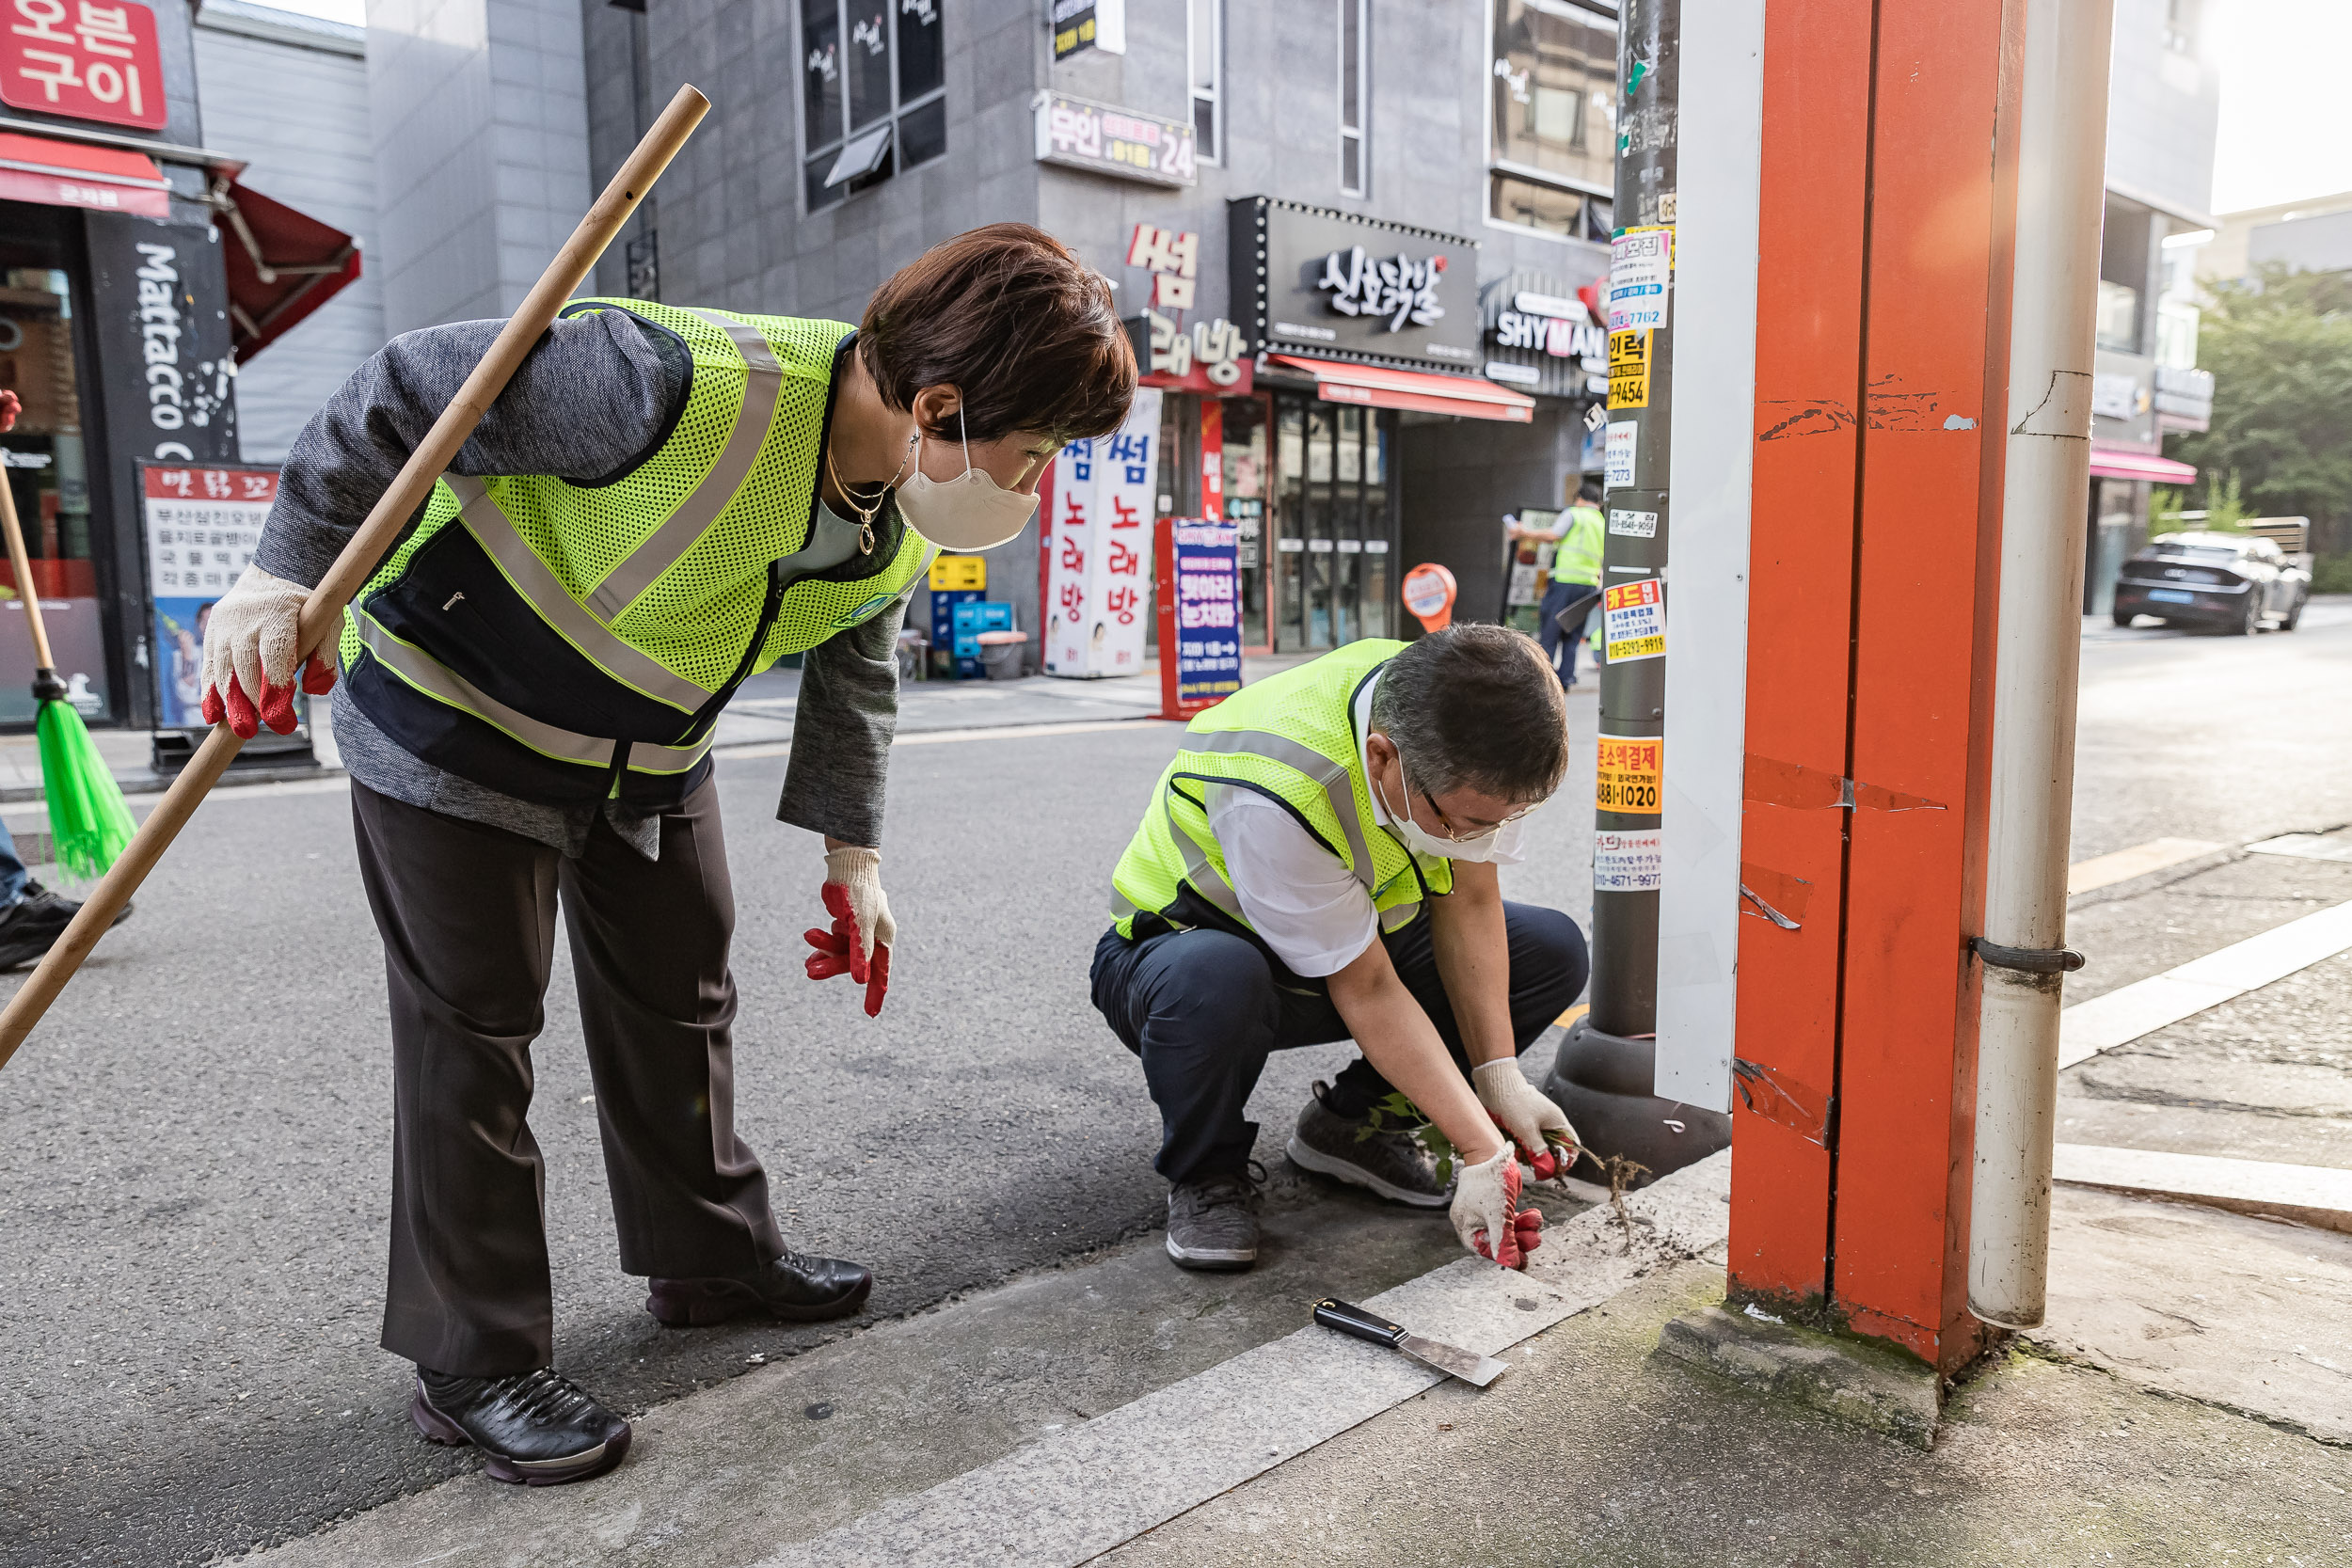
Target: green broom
88,819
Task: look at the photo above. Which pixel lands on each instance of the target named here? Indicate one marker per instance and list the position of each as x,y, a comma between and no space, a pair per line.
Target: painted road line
2314,1194
2139,860
2126,1013
1081,1492
2310,847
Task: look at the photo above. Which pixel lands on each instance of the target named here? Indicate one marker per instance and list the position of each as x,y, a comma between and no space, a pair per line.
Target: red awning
282,266
67,174
2132,462
1377,386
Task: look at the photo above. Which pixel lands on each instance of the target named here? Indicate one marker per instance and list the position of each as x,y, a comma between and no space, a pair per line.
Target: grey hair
1475,706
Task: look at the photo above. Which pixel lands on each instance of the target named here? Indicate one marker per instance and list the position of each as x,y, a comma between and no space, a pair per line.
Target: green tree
2279,348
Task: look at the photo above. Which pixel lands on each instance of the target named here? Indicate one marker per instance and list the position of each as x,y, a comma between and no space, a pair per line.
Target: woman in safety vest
662,501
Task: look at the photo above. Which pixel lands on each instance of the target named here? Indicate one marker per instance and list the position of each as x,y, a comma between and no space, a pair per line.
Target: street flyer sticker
1618,464
1633,620
1634,524
1628,862
1641,279
1627,773
1629,369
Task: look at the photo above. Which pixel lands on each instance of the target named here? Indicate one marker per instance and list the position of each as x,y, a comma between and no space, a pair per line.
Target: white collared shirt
1296,894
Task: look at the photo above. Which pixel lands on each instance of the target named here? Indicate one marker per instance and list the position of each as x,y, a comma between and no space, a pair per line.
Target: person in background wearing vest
1575,577
662,501
1317,865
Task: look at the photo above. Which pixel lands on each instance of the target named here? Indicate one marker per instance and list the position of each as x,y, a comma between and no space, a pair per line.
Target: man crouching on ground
1318,865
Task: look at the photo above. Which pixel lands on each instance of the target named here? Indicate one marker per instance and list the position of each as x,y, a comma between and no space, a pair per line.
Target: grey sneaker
1214,1223
1390,1163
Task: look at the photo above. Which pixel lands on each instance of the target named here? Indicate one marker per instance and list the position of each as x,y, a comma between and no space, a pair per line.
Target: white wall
288,93
481,141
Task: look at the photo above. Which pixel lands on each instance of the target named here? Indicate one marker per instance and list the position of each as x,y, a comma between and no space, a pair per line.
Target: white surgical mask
1421,841
970,512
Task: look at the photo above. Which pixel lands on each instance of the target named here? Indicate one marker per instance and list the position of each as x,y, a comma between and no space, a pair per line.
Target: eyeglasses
1447,832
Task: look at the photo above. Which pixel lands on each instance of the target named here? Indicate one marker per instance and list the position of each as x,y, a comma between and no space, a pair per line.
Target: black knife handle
1350,1319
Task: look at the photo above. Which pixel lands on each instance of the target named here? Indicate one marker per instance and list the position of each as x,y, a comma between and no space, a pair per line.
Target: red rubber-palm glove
250,646
1528,1119
1487,1206
858,944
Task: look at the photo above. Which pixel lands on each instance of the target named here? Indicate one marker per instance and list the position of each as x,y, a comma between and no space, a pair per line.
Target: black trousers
1202,1009
468,917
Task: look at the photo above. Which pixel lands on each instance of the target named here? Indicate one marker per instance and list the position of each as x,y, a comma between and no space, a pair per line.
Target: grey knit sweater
592,399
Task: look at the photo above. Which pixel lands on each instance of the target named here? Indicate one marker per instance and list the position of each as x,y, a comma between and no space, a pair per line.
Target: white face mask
970,512
1421,841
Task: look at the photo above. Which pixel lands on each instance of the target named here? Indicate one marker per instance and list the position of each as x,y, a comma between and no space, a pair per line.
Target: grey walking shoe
1213,1224
1390,1163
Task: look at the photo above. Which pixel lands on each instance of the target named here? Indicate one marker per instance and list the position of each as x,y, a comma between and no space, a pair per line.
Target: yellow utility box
950,573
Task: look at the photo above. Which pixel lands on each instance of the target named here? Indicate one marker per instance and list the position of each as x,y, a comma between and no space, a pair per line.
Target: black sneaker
1390,1163
31,926
535,1428
1212,1223
795,1286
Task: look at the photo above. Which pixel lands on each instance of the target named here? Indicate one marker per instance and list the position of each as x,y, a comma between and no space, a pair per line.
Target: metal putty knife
1477,1371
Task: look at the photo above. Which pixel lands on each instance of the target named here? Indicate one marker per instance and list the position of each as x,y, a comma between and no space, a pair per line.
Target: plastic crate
969,620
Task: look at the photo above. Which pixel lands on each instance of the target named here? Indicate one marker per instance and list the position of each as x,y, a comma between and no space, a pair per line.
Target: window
1552,136
1206,24
1355,87
873,93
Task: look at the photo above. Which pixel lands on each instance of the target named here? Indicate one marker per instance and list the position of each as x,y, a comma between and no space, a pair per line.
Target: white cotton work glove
1527,1116
1486,1205
250,651
862,932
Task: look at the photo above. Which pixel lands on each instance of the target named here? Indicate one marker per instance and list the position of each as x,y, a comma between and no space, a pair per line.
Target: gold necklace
865,514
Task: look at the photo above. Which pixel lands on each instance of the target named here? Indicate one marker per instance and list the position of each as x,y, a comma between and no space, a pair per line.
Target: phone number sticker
1633,616
1628,773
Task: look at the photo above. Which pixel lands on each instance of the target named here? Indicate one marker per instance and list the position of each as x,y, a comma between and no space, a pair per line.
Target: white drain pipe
2044,504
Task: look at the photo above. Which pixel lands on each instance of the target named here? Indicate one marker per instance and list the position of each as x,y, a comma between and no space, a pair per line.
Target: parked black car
2219,581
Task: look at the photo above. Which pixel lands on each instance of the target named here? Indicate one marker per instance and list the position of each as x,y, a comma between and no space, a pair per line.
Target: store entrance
47,469
1334,523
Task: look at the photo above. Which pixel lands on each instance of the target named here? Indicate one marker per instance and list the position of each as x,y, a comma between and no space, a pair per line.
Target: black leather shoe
31,926
795,1286
536,1429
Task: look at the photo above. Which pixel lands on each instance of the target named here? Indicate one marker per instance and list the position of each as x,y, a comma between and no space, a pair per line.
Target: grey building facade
847,136
2163,111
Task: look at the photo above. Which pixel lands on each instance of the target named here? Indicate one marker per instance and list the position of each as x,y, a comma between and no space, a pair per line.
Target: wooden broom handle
324,609
41,658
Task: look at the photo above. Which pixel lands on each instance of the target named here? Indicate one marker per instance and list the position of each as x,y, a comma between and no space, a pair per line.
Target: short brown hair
1476,706
1010,317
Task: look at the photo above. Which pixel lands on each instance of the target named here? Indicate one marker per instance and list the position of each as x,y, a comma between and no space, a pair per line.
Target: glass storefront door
46,470
1334,525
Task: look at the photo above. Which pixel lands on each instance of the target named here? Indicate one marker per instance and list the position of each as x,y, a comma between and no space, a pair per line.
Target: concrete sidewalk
2188,1403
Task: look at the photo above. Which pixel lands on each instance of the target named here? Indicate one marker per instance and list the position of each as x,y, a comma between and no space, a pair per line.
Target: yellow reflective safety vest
1293,739
1576,558
566,642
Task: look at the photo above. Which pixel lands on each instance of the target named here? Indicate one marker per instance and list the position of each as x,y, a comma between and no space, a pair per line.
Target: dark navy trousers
1202,1009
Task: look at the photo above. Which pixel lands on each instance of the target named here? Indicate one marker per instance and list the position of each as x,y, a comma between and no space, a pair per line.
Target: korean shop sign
1103,138
1209,357
84,59
1313,280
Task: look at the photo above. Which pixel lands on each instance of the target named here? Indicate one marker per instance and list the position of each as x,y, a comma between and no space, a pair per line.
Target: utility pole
1602,1075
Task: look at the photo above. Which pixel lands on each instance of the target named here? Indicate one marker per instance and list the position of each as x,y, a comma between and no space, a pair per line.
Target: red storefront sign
83,60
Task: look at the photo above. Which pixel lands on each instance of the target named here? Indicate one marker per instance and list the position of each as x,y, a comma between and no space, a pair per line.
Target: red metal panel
1935,303
1809,371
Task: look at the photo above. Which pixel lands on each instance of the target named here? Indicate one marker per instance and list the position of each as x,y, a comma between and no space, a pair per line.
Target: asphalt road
193,1149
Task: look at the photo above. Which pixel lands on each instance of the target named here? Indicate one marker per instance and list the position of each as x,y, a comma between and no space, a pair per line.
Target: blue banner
1208,611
